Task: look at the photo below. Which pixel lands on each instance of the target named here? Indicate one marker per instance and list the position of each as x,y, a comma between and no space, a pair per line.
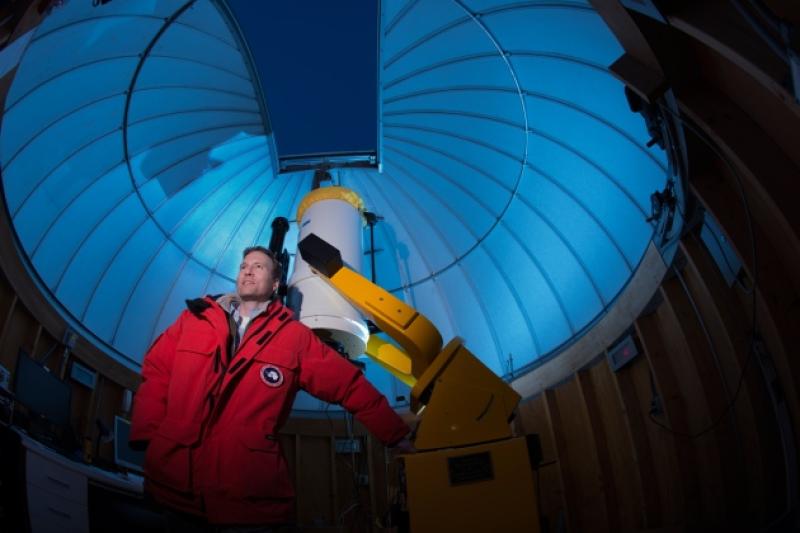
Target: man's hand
404,446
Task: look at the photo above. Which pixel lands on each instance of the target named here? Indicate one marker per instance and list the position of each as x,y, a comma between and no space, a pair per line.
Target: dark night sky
317,60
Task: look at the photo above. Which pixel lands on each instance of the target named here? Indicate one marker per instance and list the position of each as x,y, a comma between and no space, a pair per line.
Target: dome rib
187,254
55,122
442,238
146,264
72,70
506,149
617,129
425,38
533,94
399,16
94,20
209,229
86,238
496,181
410,234
477,199
437,65
596,166
270,213
517,239
467,275
44,179
166,201
194,88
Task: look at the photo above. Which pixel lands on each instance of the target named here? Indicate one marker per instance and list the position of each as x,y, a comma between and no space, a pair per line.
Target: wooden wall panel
353,509
777,310
315,506
599,441
677,480
673,406
327,495
631,383
578,463
8,358
532,418
619,469
289,447
626,508
20,334
756,427
709,396
109,405
46,346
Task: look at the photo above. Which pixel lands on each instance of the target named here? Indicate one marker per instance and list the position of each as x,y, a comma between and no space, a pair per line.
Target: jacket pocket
168,456
200,344
256,469
278,356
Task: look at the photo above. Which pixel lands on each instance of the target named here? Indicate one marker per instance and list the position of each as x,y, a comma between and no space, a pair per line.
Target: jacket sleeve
150,401
328,376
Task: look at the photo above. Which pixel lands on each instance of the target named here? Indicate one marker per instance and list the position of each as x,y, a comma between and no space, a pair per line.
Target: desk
65,495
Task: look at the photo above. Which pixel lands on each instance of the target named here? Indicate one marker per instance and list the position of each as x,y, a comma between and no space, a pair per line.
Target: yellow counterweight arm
464,402
418,337
392,358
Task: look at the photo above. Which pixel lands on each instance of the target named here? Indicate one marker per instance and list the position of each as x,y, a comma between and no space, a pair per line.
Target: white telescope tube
334,214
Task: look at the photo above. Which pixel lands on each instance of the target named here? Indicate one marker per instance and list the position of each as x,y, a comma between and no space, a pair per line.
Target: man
216,388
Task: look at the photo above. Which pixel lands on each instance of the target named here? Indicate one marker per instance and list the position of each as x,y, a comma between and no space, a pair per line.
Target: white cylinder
333,214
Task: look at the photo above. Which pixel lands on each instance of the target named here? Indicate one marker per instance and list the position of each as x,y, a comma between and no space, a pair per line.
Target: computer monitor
42,392
124,455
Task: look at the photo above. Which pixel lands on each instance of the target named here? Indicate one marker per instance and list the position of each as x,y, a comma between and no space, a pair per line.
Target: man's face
255,280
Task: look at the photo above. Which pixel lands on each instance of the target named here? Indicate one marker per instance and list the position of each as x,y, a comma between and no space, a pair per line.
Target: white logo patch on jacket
271,376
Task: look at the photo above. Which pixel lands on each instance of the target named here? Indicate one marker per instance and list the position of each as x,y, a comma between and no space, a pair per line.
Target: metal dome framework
138,160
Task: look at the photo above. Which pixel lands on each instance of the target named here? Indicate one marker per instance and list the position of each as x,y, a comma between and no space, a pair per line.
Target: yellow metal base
488,487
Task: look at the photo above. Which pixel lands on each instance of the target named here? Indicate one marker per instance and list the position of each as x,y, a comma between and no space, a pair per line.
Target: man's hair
277,268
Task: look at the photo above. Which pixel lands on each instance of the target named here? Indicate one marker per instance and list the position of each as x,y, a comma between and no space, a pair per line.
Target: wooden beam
627,32
769,111
788,10
599,440
580,467
696,360
728,327
720,27
533,418
569,498
674,411
777,310
5,355
768,177
645,483
36,341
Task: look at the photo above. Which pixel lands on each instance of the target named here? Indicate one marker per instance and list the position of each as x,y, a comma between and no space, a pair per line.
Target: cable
685,219
719,418
754,337
754,324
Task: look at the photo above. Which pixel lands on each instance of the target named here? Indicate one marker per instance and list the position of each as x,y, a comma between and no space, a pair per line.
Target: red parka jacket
211,425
